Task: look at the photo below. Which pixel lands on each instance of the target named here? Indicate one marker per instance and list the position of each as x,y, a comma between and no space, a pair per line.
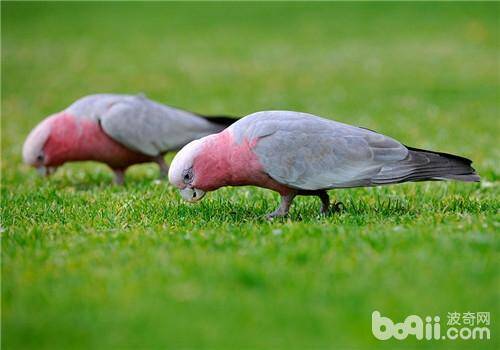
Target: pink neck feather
83,139
223,162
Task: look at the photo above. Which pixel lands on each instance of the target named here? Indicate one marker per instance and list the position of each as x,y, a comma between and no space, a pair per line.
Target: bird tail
221,120
424,165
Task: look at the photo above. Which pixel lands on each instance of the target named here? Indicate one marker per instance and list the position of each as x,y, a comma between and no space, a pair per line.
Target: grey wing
151,128
310,153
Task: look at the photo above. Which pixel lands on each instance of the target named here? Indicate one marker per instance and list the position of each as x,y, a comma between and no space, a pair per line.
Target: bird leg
326,207
325,202
51,170
119,176
286,201
163,166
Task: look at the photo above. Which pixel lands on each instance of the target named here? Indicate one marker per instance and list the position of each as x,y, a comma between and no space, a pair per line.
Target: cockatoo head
182,174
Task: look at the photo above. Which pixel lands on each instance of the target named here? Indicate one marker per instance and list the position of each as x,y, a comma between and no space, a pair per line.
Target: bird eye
39,158
188,176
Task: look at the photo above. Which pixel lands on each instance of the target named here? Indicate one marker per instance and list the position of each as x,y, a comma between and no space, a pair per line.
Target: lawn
86,264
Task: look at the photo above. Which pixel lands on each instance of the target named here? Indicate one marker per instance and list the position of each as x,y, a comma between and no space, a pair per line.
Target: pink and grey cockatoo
119,130
296,153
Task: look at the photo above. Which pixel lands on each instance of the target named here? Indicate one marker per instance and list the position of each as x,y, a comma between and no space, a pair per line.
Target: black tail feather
442,154
424,165
222,120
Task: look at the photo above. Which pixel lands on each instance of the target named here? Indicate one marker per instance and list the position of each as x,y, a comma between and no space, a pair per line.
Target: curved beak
192,194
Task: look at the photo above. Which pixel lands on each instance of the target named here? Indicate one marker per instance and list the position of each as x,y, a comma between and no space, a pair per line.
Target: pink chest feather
80,140
223,162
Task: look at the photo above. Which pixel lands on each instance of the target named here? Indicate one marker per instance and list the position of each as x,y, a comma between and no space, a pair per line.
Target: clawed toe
332,208
274,214
286,201
338,207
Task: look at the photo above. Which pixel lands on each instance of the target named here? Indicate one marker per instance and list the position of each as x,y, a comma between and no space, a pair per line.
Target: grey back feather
141,124
307,152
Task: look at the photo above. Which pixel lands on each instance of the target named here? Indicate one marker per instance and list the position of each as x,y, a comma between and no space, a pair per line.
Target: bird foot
333,208
286,201
276,214
51,170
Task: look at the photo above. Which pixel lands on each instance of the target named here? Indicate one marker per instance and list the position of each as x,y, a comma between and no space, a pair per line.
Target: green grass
86,264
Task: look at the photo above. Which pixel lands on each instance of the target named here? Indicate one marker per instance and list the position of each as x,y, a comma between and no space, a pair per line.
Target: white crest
183,161
35,141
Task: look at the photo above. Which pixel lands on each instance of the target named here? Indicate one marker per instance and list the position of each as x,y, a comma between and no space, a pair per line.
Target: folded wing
151,128
310,153
143,125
